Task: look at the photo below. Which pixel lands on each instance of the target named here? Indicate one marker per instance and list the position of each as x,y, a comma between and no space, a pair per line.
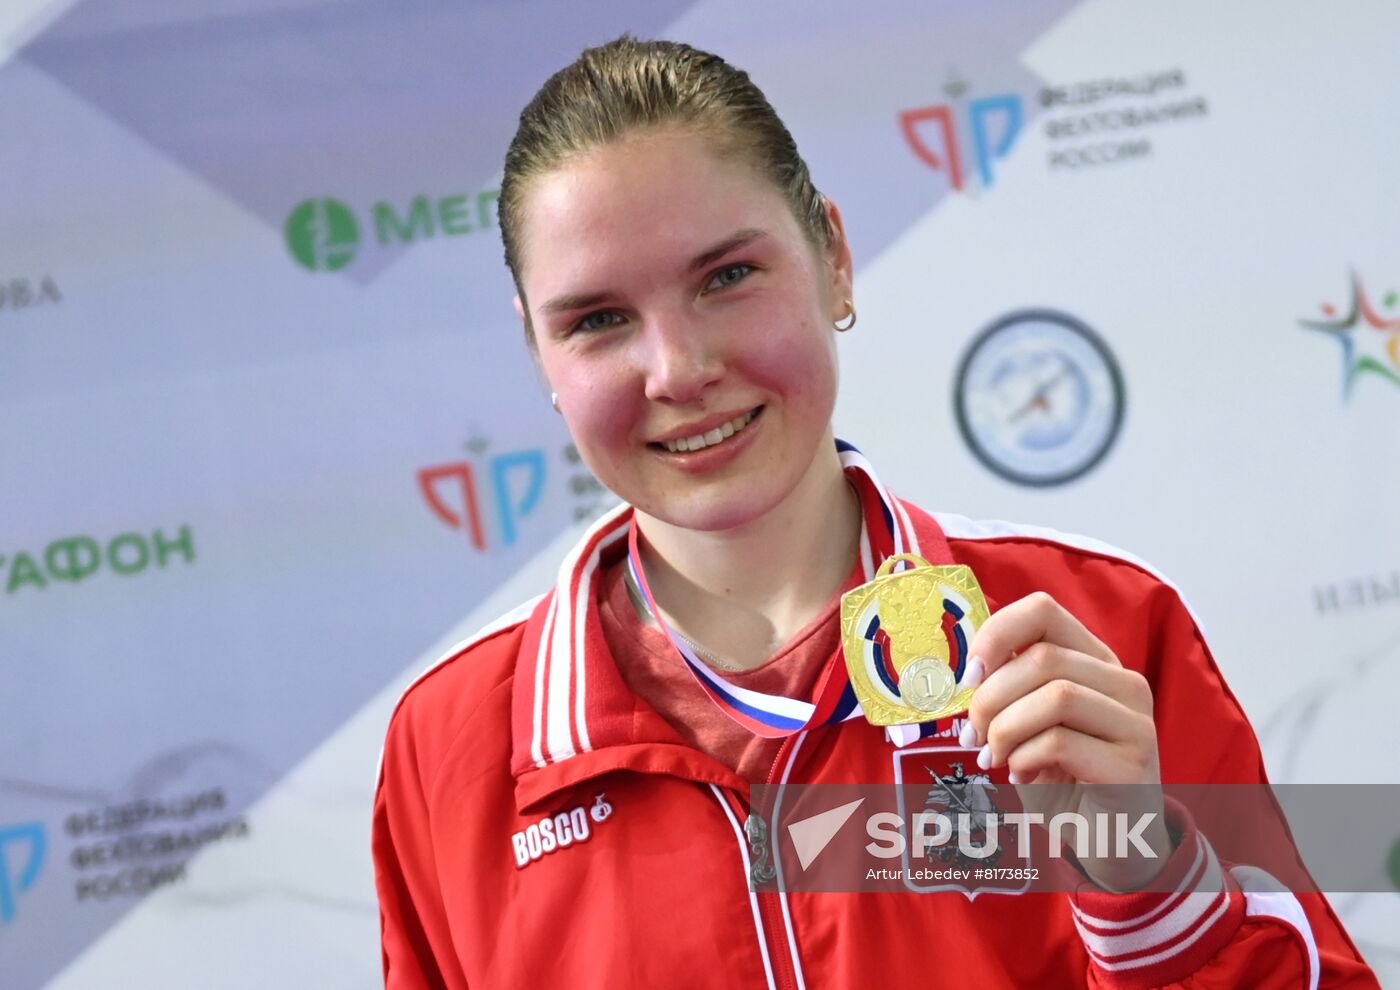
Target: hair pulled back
627,85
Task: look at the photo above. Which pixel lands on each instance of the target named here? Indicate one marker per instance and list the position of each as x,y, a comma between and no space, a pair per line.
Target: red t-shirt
655,672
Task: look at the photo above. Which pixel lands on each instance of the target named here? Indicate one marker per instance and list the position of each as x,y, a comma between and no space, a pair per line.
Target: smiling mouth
714,437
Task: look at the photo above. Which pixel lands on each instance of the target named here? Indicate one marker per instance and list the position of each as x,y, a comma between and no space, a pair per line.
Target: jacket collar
573,718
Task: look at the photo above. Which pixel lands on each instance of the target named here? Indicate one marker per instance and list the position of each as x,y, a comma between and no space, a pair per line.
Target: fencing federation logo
322,234
994,123
517,482
21,859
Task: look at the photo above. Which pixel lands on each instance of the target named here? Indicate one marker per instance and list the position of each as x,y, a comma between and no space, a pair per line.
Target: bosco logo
516,483
559,831
21,859
994,123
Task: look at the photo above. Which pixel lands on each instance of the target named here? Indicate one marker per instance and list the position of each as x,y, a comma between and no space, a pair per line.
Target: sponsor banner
325,235
73,559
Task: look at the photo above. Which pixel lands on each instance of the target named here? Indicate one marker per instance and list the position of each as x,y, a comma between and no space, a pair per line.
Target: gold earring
851,307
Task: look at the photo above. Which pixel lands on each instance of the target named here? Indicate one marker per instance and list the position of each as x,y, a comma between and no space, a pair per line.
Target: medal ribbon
885,531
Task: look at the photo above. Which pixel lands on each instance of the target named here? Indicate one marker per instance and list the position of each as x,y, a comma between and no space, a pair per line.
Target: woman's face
685,323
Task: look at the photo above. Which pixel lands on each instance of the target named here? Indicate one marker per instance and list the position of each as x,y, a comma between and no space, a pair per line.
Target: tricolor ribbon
885,531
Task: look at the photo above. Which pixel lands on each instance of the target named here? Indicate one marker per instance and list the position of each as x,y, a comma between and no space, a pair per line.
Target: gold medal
897,652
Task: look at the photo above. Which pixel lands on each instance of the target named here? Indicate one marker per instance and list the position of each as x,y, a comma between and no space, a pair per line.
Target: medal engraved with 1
894,633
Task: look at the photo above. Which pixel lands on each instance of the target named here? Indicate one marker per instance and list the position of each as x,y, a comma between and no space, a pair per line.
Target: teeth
718,435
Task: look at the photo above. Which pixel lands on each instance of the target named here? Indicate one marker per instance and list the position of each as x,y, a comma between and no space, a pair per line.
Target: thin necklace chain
639,602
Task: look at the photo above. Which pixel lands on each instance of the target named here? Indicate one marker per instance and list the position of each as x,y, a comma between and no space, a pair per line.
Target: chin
712,513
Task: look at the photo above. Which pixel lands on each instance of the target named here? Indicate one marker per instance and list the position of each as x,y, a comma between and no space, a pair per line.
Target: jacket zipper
769,903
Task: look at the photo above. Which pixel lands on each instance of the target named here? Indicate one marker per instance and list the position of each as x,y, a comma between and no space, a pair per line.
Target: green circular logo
322,234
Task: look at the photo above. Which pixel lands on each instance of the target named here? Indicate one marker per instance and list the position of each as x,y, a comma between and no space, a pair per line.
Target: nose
679,359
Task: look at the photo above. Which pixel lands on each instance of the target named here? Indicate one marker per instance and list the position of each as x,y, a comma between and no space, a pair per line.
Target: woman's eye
729,276
600,320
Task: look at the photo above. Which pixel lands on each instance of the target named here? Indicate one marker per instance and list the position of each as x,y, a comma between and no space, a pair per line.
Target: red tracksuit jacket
636,873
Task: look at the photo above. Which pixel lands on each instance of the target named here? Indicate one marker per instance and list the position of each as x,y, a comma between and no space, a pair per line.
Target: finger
1073,706
1086,759
1033,619
1043,663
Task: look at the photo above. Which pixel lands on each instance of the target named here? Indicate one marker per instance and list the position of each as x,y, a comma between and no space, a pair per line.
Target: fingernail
984,757
972,676
1014,777
968,737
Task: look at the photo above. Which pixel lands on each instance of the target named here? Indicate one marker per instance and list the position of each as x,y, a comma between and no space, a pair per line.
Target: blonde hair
626,85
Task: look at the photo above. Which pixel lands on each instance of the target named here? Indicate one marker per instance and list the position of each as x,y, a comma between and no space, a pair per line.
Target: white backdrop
243,447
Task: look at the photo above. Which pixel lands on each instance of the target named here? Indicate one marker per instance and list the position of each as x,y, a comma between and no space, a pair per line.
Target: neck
744,592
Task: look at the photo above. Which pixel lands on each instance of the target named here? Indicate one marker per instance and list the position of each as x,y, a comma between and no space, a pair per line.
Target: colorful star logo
1374,346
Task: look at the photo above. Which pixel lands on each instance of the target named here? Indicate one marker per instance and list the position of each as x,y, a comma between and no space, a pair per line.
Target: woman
565,798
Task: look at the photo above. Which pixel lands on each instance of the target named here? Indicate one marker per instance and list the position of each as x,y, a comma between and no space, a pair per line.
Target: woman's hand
1058,708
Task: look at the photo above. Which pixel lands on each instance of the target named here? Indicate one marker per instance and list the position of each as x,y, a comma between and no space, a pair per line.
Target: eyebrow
582,300
730,243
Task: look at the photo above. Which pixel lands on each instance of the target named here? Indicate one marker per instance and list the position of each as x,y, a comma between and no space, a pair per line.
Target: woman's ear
838,256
